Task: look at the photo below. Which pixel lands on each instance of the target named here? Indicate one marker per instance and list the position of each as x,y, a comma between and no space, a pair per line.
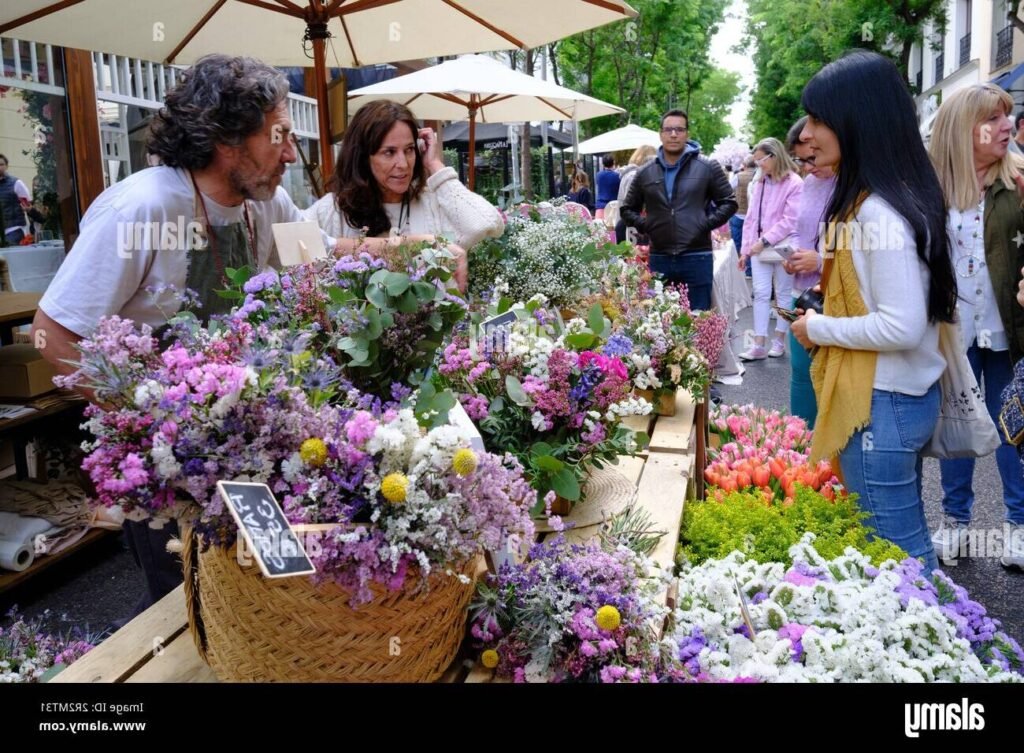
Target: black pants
160,568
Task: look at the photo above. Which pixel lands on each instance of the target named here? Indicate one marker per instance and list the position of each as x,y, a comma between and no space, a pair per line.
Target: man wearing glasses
686,196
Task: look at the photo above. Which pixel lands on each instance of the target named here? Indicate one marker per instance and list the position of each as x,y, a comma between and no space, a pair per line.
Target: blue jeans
882,464
957,475
695,269
802,401
736,228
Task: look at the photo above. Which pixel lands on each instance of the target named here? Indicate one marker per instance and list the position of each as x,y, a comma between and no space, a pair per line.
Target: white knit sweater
894,285
445,208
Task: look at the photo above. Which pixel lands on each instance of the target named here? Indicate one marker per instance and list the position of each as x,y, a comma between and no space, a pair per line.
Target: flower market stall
558,531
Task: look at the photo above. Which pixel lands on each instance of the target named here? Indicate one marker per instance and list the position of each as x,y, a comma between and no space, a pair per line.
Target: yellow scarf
843,379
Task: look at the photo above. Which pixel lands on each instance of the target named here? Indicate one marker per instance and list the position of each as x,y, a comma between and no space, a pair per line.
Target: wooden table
157,647
16,309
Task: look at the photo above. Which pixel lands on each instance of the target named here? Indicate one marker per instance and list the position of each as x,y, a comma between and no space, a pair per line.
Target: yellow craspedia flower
608,618
489,658
464,462
313,452
393,487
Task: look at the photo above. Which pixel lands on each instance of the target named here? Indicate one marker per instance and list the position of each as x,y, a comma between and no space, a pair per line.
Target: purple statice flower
794,633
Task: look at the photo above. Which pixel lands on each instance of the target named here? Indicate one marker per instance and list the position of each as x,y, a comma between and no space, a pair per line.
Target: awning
1008,79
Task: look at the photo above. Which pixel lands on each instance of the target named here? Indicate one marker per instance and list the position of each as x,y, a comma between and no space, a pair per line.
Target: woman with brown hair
391,181
581,191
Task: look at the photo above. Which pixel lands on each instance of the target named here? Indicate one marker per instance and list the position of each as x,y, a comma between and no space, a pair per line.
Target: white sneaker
1013,547
754,353
950,541
778,349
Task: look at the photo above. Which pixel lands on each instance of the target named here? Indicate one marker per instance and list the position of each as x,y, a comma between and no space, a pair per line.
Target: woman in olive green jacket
981,180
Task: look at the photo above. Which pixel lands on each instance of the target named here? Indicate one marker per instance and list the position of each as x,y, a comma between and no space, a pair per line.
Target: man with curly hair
223,141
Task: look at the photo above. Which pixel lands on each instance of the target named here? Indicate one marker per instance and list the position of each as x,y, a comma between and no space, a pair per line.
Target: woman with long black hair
888,283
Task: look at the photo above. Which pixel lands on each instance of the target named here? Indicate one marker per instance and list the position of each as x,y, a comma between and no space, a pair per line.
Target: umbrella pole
472,148
323,106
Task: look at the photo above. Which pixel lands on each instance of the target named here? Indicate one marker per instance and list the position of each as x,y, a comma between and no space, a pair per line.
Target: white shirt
976,299
445,208
894,285
116,256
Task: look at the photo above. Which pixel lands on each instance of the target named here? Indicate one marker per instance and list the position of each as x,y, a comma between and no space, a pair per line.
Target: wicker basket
251,628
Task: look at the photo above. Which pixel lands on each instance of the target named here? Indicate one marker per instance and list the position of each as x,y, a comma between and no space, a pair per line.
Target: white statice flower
148,395
396,441
538,421
856,626
437,448
162,453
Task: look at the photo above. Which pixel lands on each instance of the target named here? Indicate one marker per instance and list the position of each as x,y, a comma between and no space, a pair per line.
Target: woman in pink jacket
771,221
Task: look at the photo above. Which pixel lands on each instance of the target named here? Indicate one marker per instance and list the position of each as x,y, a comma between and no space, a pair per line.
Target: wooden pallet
157,647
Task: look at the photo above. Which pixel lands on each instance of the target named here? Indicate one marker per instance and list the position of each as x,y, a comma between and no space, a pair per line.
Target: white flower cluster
162,454
631,406
547,257
857,628
644,375
435,451
528,343
396,440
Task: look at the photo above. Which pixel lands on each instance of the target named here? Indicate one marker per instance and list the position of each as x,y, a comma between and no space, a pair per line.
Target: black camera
811,299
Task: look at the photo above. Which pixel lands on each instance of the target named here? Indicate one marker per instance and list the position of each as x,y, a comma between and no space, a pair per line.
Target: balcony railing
28,65
940,66
1004,47
965,48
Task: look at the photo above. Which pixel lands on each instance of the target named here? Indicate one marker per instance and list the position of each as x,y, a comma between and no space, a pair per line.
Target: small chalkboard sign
266,530
496,332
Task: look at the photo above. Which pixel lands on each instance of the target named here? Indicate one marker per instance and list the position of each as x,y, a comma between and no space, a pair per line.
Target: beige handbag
964,429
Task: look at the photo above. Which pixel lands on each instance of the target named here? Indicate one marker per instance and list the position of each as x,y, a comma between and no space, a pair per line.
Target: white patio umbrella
628,137
479,87
296,32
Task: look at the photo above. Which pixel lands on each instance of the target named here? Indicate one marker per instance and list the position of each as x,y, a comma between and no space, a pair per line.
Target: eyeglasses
800,161
762,159
674,130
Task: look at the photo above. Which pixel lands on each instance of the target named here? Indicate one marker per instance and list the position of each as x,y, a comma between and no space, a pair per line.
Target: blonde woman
982,185
640,157
770,220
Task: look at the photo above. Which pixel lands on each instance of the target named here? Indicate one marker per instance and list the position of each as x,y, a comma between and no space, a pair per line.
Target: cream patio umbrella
296,32
628,137
479,87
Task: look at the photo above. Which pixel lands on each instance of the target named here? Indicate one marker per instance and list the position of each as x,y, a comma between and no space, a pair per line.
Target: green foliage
659,60
743,521
797,38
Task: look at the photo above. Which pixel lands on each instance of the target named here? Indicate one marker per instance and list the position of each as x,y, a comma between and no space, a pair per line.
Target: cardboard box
23,372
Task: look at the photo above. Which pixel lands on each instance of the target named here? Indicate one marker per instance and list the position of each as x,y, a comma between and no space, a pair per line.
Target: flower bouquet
381,320
557,410
553,253
657,341
28,654
573,613
398,515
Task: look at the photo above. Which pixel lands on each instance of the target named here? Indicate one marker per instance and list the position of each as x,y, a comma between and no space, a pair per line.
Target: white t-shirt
118,255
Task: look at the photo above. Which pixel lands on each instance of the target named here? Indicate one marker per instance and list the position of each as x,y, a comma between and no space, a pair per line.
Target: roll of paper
16,555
